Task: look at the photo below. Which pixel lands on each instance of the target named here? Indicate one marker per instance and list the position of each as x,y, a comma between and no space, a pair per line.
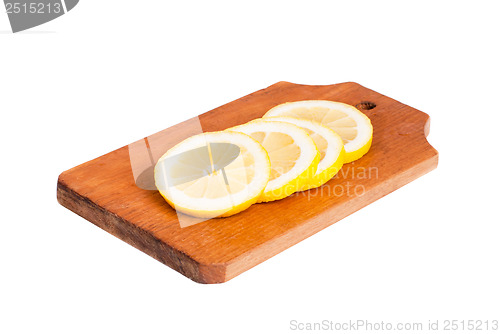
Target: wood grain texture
104,192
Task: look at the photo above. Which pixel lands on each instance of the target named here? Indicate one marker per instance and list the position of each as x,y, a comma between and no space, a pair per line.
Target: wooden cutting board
104,190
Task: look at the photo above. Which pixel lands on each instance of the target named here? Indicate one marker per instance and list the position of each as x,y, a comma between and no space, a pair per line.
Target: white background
111,72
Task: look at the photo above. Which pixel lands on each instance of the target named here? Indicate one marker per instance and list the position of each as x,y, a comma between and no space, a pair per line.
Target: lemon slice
351,124
293,154
330,147
214,174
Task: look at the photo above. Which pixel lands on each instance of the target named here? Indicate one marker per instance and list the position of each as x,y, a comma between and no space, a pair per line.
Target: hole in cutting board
365,105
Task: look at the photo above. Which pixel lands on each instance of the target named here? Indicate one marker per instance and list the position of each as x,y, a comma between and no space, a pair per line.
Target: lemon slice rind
304,167
342,118
212,196
333,156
